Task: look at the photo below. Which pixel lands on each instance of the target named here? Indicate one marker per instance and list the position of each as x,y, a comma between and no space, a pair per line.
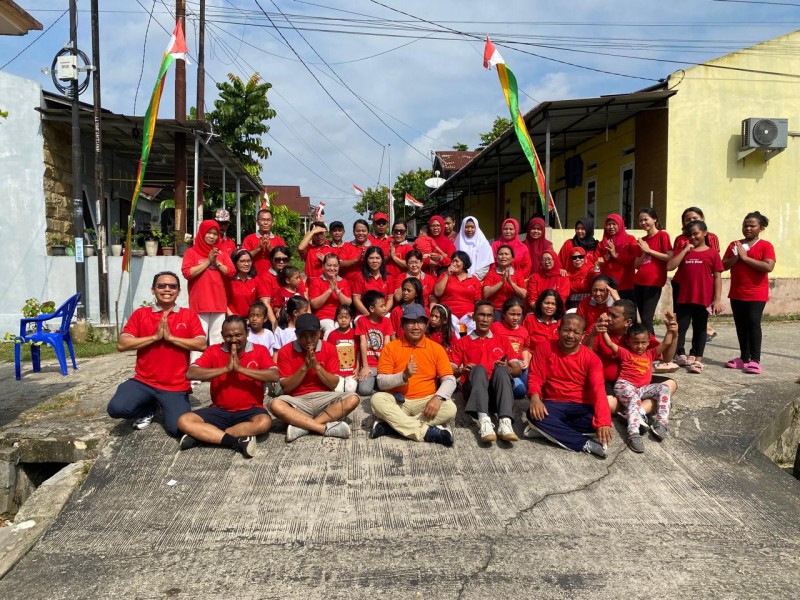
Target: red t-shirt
427,281
578,377
312,256
473,349
227,246
207,291
460,296
517,338
539,331
652,271
234,391
382,243
347,348
539,283
400,251
279,295
610,363
376,337
163,365
696,274
317,286
636,368
678,244
361,286
267,280
747,283
252,243
621,268
493,278
591,312
241,294
349,251
291,359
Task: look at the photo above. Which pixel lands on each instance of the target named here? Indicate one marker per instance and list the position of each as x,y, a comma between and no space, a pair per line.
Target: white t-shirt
283,337
266,338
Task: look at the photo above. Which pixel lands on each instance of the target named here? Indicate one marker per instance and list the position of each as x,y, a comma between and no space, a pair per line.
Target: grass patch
56,402
85,350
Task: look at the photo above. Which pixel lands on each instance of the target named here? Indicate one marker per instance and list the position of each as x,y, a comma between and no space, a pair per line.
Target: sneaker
735,363
247,446
752,368
635,443
188,441
143,422
505,431
380,428
659,431
293,432
339,429
486,431
439,435
531,432
594,447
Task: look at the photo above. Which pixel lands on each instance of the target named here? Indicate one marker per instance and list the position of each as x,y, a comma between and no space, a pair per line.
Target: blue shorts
222,419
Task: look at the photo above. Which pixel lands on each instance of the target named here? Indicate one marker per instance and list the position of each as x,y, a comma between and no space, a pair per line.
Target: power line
36,39
144,50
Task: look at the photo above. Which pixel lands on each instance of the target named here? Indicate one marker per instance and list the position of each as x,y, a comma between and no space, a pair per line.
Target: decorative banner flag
319,213
492,58
175,49
265,203
413,202
358,190
390,202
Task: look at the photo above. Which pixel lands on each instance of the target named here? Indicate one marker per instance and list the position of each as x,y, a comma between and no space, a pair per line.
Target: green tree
498,128
287,225
240,115
460,146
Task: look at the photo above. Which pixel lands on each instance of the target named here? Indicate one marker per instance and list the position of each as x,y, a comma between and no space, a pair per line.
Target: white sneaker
293,432
505,431
143,422
338,429
530,433
486,431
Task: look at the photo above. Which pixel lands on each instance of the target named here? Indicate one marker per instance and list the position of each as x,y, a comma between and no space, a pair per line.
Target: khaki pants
406,418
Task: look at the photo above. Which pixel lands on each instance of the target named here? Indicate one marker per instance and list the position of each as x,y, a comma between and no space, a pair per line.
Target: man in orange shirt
408,368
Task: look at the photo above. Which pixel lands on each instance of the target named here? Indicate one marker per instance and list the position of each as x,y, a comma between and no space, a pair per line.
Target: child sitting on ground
344,338
636,372
374,331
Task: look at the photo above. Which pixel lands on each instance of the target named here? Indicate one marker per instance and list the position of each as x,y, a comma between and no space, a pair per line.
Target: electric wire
144,50
36,39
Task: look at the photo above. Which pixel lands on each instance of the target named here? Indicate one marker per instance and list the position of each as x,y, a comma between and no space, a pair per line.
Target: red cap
379,215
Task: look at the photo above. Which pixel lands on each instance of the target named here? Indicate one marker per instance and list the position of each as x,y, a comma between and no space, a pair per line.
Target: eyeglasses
398,231
281,259
166,286
381,222
578,257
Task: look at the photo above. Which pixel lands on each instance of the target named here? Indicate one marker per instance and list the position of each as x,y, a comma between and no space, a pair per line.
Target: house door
626,195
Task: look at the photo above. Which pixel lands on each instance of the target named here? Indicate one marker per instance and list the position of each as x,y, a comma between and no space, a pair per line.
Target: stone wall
57,181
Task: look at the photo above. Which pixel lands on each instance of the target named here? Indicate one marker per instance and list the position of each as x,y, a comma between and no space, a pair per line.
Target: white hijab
477,247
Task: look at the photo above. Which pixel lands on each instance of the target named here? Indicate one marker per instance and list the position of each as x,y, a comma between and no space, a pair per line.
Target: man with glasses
162,335
379,237
260,243
399,248
482,360
408,368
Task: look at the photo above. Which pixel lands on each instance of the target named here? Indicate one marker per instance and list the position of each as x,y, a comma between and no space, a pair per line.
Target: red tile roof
455,160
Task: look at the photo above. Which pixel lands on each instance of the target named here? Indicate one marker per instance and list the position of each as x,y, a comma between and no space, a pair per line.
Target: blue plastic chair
54,338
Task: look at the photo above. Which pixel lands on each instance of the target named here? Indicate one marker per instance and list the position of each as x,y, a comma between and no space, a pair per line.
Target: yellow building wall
482,207
705,134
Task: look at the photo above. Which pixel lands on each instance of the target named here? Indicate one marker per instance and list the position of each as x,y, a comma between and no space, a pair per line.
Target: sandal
682,360
663,367
696,367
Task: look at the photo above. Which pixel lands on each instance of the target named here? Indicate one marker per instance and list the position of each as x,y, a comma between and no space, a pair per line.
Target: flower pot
116,249
88,250
58,250
70,251
182,248
137,252
151,247
167,250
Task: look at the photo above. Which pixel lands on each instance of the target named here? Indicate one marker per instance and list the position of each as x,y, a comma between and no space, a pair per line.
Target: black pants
747,316
646,298
697,316
626,295
495,395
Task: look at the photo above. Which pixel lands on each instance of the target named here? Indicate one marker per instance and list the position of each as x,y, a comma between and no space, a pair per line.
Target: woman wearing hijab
549,277
617,253
583,238
436,247
536,242
509,236
473,242
206,269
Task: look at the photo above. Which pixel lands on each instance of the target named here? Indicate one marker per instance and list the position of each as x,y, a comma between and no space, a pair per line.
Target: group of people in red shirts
492,308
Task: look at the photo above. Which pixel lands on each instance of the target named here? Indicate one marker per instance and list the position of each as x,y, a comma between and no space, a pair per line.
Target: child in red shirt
636,371
290,283
440,327
411,292
699,294
517,335
651,266
374,332
344,338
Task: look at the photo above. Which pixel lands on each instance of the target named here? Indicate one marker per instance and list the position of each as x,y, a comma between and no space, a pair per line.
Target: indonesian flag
492,58
319,213
413,202
358,190
265,199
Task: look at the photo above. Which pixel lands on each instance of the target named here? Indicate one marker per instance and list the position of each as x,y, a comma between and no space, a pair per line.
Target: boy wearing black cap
308,368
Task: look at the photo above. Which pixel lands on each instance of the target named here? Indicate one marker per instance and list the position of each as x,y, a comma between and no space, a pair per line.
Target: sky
365,89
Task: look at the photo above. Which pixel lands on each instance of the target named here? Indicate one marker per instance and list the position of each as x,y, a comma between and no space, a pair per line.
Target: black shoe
188,441
380,428
439,435
247,446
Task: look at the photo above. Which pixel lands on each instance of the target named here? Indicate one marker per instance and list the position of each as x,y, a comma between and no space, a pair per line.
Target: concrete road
702,515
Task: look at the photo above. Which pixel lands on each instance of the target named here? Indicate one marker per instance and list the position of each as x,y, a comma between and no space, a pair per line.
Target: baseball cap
222,215
380,216
307,322
336,225
412,312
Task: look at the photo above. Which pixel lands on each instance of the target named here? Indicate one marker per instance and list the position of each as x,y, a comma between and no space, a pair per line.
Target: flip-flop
669,367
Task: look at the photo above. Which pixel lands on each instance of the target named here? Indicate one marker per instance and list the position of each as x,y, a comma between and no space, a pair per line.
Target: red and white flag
358,190
265,203
319,213
413,202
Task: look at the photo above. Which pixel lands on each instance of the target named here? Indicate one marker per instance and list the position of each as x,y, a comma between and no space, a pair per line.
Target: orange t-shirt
432,363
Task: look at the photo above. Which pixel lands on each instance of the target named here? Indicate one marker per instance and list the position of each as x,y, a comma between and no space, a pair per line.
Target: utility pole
77,169
99,185
201,96
180,137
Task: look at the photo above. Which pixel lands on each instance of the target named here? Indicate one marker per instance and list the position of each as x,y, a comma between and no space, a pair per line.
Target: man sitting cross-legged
237,370
408,368
565,387
308,367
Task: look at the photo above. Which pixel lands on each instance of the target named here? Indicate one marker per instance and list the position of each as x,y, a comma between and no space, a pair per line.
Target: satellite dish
434,182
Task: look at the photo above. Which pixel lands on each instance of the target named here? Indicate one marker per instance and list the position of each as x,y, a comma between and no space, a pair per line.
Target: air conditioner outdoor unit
772,134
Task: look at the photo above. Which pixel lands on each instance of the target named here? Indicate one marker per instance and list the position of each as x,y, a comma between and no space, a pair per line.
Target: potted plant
88,249
151,238
167,240
187,241
70,246
136,248
58,246
116,235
